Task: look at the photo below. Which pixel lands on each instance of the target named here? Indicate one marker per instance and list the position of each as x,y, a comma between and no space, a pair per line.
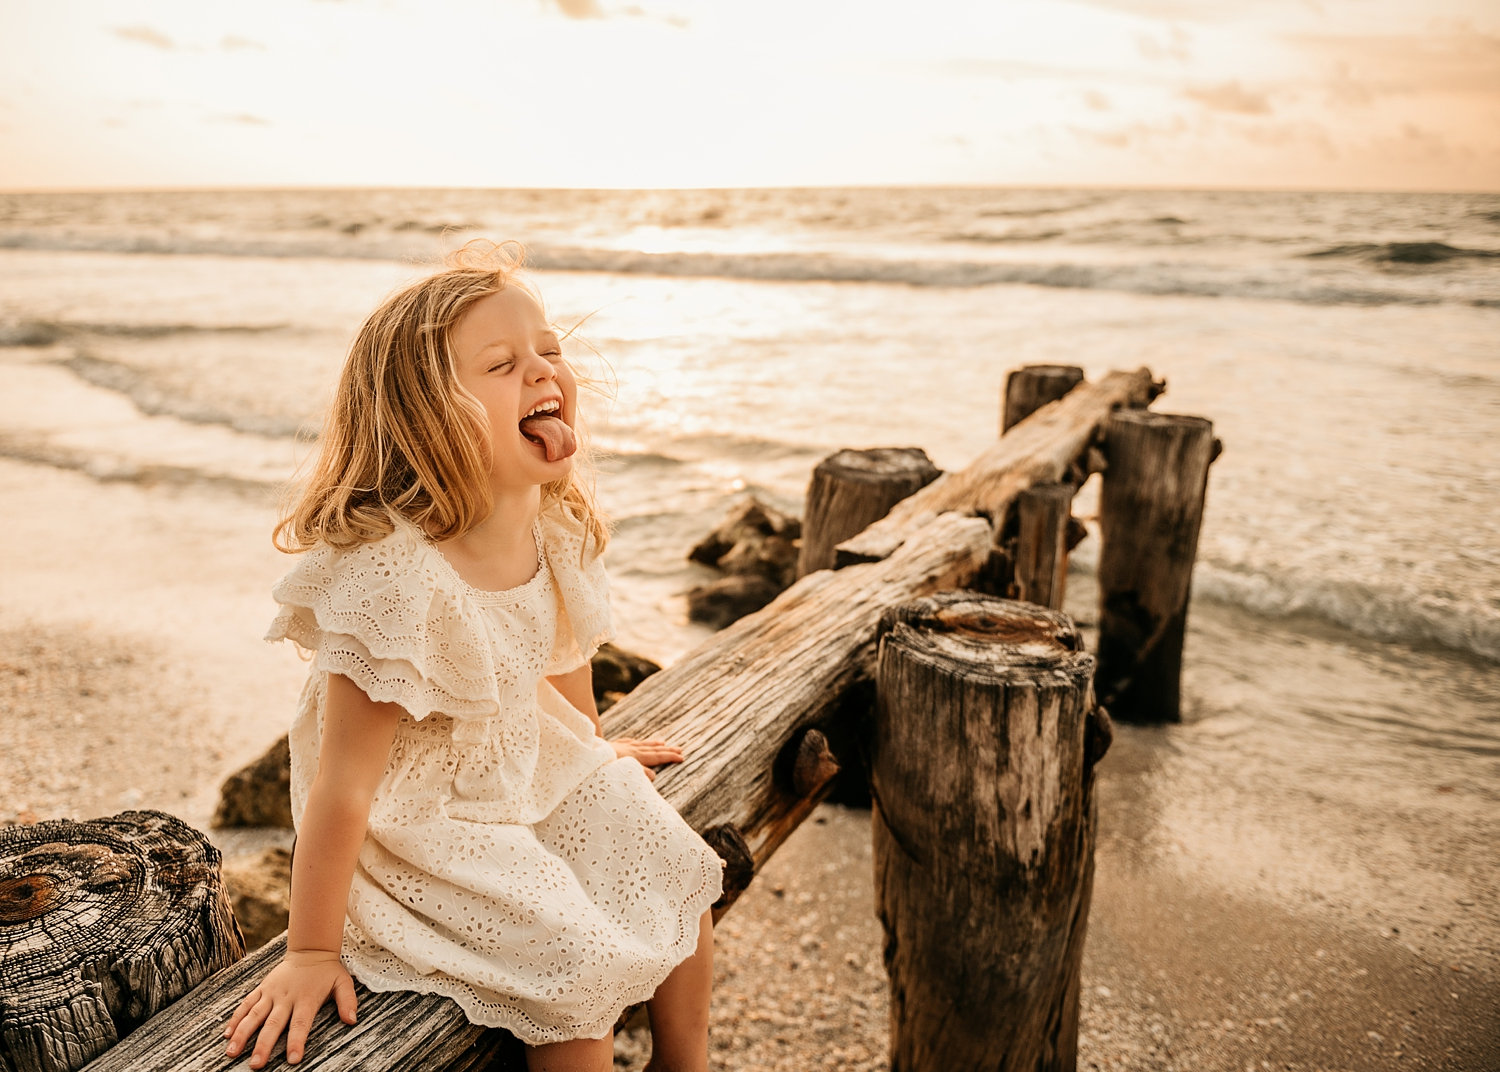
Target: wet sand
1256,914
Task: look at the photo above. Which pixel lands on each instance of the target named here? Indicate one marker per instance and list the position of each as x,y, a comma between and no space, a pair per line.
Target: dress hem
383,983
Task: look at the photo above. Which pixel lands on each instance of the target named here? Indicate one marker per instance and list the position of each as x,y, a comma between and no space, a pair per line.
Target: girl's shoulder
385,615
402,555
389,588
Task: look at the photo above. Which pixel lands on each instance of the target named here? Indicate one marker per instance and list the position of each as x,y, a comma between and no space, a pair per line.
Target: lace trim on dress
382,972
386,615
496,597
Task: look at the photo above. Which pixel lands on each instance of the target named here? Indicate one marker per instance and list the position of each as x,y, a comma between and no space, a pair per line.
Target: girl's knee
575,1055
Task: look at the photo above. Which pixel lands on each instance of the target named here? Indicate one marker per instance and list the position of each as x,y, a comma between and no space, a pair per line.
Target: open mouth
544,426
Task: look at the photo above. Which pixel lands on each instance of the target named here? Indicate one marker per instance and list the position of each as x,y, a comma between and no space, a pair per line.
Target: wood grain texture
1041,547
852,488
1150,511
1049,446
1030,387
102,925
983,832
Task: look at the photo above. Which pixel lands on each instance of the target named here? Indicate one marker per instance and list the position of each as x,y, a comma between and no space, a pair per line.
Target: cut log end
136,899
814,764
739,862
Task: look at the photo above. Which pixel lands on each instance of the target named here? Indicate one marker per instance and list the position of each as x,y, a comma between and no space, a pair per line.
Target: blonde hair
404,440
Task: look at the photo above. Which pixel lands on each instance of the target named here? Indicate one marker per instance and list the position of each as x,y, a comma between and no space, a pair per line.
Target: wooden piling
1150,511
103,924
985,738
1041,548
1030,387
852,488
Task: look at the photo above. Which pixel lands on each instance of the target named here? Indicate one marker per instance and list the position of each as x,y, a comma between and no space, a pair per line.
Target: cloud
145,35
1095,100
1175,48
236,43
1229,97
1133,134
1365,65
580,9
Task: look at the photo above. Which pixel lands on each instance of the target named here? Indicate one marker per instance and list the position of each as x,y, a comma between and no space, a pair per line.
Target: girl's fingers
275,1023
345,999
250,1019
241,1009
296,1034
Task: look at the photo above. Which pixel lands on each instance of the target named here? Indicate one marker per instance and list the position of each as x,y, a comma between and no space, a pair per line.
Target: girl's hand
291,994
650,753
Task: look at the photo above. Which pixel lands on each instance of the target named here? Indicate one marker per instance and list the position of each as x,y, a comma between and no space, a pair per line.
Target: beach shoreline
134,677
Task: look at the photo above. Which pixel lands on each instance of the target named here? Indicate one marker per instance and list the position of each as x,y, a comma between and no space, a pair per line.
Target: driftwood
1150,510
103,924
1051,445
1030,387
850,489
985,738
741,706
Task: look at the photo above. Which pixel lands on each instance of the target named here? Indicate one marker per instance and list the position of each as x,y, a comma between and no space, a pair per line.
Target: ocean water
1345,631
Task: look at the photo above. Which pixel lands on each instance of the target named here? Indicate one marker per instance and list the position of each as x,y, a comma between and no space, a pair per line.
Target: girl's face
510,359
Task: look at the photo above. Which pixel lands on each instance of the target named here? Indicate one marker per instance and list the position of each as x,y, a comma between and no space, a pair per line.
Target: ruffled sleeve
582,585
384,616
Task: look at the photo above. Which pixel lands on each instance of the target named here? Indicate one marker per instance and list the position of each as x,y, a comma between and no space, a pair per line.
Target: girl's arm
356,745
577,687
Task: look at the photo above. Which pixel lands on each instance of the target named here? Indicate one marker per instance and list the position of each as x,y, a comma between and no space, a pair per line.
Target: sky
1307,94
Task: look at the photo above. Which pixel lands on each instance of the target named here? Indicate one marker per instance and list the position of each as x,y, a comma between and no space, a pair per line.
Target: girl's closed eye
502,366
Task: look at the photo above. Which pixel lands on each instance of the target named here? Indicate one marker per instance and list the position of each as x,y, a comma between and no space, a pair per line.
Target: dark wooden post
1030,559
102,924
1030,387
983,822
1150,510
852,488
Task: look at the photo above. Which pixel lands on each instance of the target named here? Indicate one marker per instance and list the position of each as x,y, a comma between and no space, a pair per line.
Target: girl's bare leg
679,1010
575,1055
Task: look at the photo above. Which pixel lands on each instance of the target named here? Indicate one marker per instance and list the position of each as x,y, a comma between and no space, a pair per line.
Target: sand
131,675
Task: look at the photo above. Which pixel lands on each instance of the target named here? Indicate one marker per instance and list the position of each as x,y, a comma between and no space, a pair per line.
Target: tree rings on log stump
1029,388
983,827
851,489
102,924
1150,510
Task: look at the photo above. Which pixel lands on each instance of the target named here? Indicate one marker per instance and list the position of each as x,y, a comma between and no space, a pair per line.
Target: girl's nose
542,369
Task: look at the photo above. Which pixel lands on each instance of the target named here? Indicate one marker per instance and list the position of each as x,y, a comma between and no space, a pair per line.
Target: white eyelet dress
511,862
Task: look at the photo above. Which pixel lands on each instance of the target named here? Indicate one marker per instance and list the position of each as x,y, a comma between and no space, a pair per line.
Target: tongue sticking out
555,437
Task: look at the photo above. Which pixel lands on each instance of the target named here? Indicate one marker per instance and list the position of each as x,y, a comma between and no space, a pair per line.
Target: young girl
462,828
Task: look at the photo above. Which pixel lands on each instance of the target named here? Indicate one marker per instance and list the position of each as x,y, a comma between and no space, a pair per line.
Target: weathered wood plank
1042,449
741,699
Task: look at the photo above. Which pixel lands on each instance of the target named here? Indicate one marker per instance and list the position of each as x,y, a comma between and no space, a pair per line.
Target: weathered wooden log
852,488
1150,511
1030,387
736,705
983,822
395,1031
1041,547
1040,450
103,924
